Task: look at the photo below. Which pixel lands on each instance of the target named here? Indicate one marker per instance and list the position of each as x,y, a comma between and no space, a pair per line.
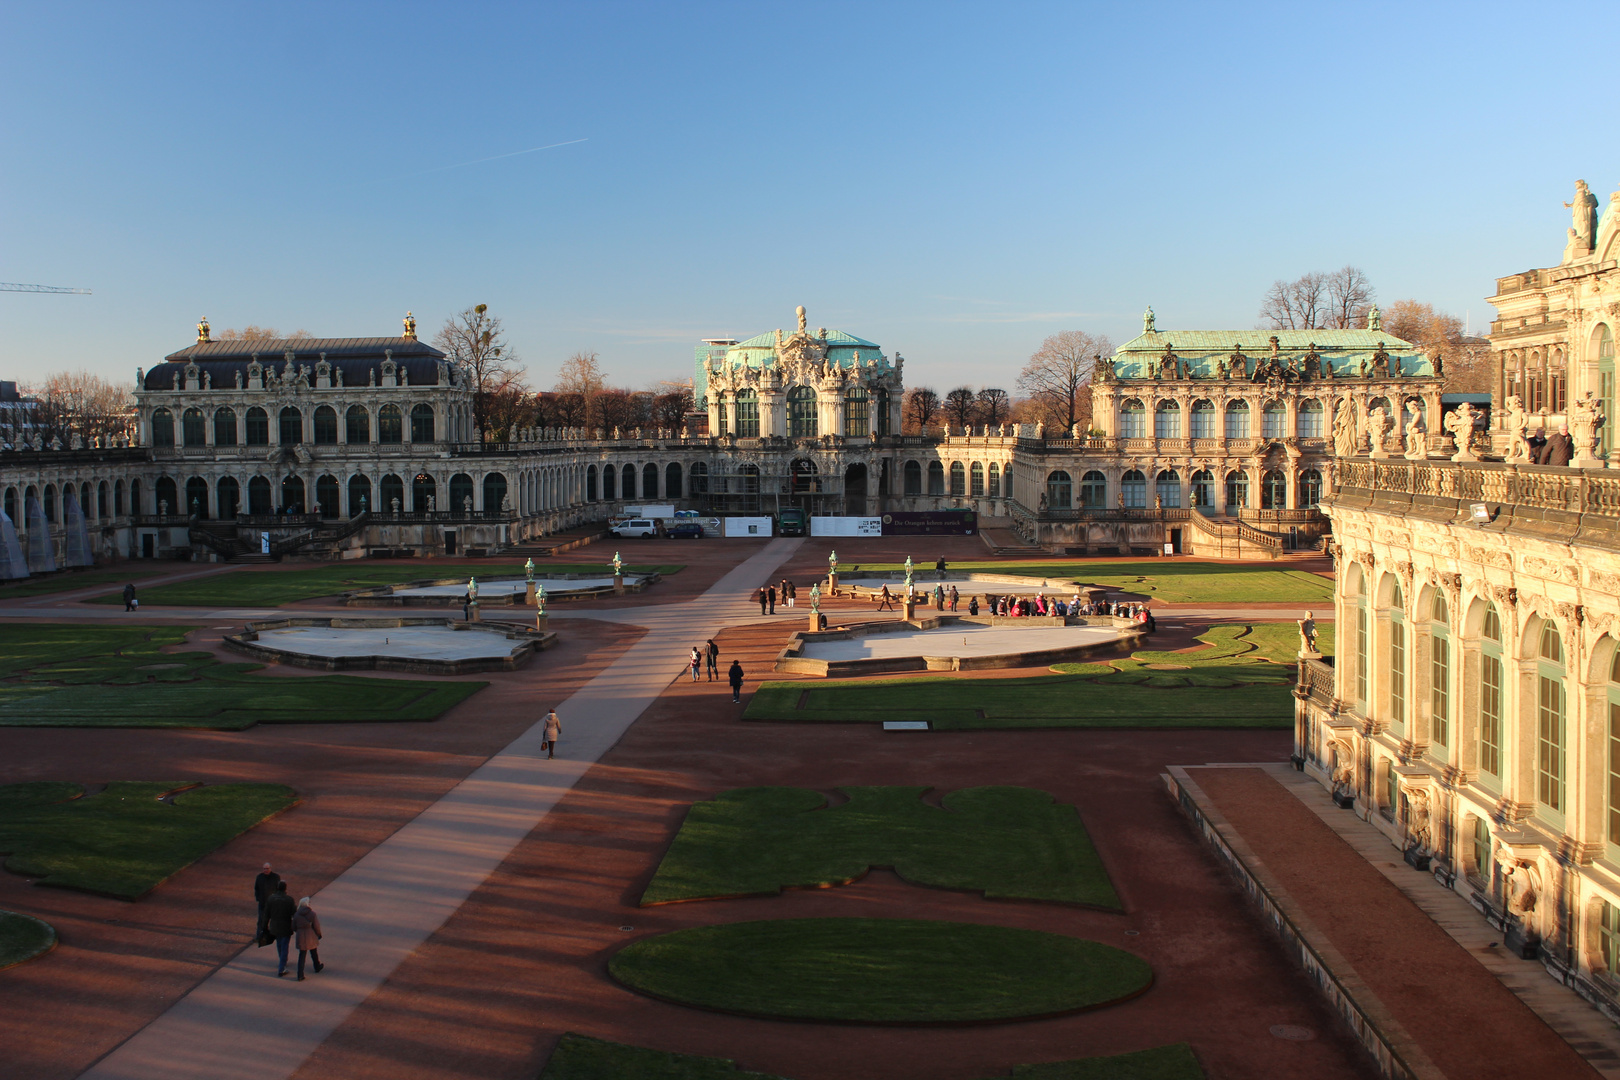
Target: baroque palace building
1473,710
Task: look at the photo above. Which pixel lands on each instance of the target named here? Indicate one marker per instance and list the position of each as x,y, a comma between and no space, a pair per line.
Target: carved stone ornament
1571,614
1452,582
1366,559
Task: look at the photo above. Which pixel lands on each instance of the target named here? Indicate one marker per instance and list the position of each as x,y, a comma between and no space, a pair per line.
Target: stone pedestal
618,584
528,594
815,622
473,614
540,621
908,607
832,584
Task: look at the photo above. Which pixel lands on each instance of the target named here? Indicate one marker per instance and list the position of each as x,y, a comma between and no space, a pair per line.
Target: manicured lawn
580,1057
1005,842
23,937
1174,581
272,588
129,838
117,676
879,971
69,582
1243,680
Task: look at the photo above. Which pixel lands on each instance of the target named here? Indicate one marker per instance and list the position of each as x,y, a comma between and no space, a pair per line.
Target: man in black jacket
263,886
278,920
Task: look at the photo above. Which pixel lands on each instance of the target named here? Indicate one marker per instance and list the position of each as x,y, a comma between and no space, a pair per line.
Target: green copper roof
1252,341
767,340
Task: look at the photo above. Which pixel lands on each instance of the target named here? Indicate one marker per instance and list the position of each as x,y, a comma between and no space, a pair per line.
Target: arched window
225,427
1310,419
259,502
976,479
326,488
228,494
672,480
162,427
698,474
424,493
610,482
1237,419
326,435
1059,490
1310,489
422,423
11,503
721,422
1132,419
390,425
958,479
1397,662
1490,697
1550,726
1613,770
590,484
357,424
936,478
1167,420
118,501
494,493
880,410
747,414
994,488
168,497
649,481
1094,491
1440,673
1605,361
801,409
913,475
1203,488
857,413
627,482
258,427
461,493
292,494
101,499
1133,488
749,474
359,495
1202,419
1273,490
1237,491
292,426
804,477
391,495
193,432
1167,490
1274,420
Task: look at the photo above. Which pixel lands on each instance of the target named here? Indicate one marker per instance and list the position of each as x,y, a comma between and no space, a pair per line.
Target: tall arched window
649,481
880,413
936,478
958,479
494,493
1310,419
258,427
292,426
801,410
1605,361
259,501
168,498
162,427
228,494
1237,491
1058,490
1490,698
326,489
721,420
197,497
1440,673
390,425
391,495
913,475
1613,791
590,483
747,414
225,427
976,479
192,428
610,481
1094,491
357,424
359,495
698,475
1132,419
627,482
1133,489
1397,661
1203,488
1237,419
1274,420
326,435
1550,726
1310,489
292,494
1202,420
424,493
672,480
995,480
1167,490
1273,490
1167,420
857,413
422,422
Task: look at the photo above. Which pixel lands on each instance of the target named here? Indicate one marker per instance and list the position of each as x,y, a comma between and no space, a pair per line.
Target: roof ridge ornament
202,331
410,326
799,311
1148,319
1375,318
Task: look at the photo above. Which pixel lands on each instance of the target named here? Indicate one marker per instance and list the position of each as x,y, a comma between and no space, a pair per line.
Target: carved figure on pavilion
1418,832
1585,417
1344,429
202,331
1416,442
1515,423
1380,362
1375,318
1169,364
410,326
1147,320
1583,214
1313,363
1379,424
1460,422
1237,365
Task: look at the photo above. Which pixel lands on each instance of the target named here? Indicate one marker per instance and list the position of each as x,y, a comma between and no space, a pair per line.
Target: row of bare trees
963,407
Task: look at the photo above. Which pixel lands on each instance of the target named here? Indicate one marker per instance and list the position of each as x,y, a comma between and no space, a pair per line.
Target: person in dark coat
939,567
735,676
307,927
761,597
278,920
713,654
770,595
129,596
1559,448
263,886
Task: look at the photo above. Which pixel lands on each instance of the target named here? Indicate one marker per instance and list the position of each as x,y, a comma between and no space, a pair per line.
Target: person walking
735,676
973,605
307,929
761,598
129,596
278,923
263,887
886,602
548,739
770,594
697,662
713,654
955,596
939,598
791,591
939,567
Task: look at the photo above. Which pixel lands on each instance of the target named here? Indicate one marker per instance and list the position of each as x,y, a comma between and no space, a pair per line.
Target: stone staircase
1007,543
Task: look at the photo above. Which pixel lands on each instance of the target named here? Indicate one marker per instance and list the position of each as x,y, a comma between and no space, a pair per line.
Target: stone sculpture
1379,424
1583,214
1344,430
1416,443
1516,422
1460,422
1585,417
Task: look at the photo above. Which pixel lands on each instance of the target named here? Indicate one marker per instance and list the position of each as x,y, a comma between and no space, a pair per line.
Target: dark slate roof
355,357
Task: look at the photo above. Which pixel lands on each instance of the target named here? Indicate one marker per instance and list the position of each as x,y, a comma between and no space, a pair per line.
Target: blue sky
955,181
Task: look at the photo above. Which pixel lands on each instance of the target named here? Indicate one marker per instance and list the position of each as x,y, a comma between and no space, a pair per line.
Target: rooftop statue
202,331
1375,318
1147,320
410,326
1583,212
799,311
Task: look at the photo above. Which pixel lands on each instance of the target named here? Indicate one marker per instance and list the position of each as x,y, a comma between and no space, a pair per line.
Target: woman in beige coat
307,929
553,727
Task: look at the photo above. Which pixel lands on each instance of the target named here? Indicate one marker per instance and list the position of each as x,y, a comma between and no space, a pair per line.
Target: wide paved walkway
241,1023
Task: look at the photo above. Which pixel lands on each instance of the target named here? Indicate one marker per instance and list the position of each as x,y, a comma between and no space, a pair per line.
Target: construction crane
8,286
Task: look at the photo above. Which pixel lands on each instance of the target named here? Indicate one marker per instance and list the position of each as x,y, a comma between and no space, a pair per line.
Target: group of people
707,656
281,921
1555,449
768,594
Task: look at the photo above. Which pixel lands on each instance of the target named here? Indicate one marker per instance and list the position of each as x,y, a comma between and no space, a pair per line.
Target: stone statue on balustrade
1585,418
1379,424
1460,422
1417,447
1516,422
1345,436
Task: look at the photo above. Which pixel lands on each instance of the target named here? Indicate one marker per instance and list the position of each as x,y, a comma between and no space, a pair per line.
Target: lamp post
832,573
540,608
618,575
815,607
908,603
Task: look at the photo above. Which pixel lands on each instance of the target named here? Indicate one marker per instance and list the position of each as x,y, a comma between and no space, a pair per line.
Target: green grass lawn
273,588
1006,842
23,937
117,676
879,971
1173,581
580,1057
69,582
129,838
1243,679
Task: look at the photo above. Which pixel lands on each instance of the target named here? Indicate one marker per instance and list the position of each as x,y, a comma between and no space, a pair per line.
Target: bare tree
1349,297
670,408
1466,362
568,409
474,340
1301,304
921,406
250,332
612,409
77,401
1058,372
960,406
993,406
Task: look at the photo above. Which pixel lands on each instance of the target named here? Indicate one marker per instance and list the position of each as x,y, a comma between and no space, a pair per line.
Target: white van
635,527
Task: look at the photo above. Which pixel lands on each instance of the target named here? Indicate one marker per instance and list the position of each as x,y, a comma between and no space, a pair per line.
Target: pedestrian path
244,1023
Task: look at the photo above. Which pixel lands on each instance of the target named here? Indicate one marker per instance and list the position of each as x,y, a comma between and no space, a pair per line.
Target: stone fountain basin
953,643
424,646
449,592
